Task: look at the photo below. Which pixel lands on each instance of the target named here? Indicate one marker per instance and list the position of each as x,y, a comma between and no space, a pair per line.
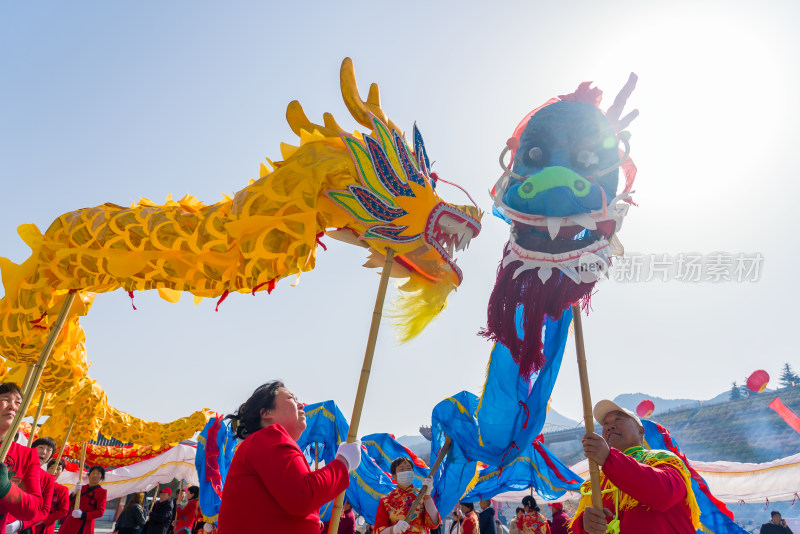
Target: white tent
177,462
730,482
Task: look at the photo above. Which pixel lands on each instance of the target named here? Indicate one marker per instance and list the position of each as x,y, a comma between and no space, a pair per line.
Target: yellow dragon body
371,190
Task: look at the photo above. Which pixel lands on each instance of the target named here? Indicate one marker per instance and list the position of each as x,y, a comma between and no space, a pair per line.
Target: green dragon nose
554,177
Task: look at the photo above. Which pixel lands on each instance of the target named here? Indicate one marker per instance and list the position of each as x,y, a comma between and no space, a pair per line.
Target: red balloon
757,382
645,408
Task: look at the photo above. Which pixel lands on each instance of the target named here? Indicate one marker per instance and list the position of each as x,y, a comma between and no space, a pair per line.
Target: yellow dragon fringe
372,190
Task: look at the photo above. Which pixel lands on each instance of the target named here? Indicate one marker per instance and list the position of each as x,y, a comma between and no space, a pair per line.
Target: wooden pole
155,496
37,374
27,379
63,445
363,380
80,477
36,417
588,418
316,457
179,496
434,469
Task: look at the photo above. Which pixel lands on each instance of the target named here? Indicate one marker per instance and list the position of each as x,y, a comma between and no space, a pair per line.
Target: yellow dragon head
389,200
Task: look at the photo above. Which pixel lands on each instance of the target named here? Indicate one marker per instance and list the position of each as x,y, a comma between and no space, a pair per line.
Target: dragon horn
298,121
359,109
330,122
615,111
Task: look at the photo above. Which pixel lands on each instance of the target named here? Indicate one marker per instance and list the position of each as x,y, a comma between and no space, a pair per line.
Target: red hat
556,505
166,490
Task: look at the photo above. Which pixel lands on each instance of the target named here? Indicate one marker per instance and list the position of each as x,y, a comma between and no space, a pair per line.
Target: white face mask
405,478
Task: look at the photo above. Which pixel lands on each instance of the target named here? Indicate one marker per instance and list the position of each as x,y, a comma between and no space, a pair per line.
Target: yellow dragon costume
372,190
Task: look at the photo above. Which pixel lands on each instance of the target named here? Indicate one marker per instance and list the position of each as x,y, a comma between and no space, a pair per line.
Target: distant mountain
418,445
632,400
555,421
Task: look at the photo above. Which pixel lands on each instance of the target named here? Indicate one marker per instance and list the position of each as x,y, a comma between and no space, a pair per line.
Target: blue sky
109,102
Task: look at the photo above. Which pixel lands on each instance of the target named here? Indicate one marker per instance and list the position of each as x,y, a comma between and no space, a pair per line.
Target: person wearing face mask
393,507
270,487
651,489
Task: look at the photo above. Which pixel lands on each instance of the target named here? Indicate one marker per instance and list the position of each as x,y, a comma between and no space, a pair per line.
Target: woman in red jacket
92,505
270,487
186,515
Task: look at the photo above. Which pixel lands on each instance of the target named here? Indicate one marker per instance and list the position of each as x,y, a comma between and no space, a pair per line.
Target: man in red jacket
559,524
20,489
651,490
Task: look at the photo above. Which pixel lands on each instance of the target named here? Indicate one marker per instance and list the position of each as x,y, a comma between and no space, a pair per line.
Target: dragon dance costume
394,506
533,523
470,524
648,490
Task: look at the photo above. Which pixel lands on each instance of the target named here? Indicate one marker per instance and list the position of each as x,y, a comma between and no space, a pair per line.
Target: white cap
602,408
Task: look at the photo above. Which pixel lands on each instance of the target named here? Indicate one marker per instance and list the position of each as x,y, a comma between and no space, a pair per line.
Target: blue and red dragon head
560,197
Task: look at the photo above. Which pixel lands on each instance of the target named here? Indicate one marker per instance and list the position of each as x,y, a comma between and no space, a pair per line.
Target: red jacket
186,515
93,505
560,522
58,510
470,524
660,491
24,500
270,488
48,482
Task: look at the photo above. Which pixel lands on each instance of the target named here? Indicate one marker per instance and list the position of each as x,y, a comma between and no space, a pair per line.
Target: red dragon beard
536,300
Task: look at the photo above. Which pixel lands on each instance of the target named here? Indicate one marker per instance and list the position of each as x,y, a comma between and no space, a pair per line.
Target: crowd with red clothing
271,488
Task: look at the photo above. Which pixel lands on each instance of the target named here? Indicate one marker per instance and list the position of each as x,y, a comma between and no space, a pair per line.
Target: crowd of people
33,502
270,487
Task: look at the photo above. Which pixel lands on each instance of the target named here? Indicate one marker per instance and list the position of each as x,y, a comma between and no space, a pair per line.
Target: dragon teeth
553,226
584,220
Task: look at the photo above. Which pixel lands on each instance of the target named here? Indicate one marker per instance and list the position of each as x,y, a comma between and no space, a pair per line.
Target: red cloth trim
786,413
212,455
549,461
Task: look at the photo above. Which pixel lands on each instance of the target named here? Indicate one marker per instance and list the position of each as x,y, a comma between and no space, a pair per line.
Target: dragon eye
536,156
587,158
